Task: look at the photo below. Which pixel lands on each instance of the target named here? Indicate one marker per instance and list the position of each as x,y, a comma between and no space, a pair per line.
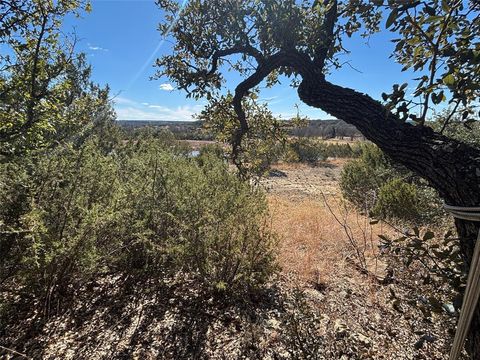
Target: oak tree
44,83
268,40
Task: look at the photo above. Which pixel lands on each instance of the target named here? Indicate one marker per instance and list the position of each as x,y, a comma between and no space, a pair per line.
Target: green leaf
434,19
449,80
445,6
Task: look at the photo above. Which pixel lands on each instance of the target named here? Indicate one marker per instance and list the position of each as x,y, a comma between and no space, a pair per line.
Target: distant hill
326,129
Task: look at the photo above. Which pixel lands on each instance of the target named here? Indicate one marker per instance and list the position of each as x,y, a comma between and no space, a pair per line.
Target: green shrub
144,208
361,178
212,149
398,199
359,184
306,150
201,218
342,150
310,150
375,185
54,224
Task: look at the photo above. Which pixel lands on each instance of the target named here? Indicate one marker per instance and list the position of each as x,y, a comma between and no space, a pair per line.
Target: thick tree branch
327,33
34,74
429,154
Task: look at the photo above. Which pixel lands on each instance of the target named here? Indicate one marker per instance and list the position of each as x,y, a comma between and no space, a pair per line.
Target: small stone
362,339
274,324
449,308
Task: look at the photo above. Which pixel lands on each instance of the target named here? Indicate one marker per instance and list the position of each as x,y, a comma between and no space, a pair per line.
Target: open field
324,248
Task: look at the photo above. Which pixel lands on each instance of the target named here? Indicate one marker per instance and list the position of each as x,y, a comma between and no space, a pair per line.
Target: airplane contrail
154,53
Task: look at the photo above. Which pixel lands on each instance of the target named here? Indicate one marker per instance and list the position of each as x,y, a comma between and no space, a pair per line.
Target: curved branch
239,49
293,59
450,166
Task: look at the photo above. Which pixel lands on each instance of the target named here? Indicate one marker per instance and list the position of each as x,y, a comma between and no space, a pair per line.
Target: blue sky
120,36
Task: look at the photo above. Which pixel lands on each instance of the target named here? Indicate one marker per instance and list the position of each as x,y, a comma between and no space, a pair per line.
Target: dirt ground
303,181
326,246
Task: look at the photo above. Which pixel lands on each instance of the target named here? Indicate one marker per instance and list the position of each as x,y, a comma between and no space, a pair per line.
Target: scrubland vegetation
122,221
269,244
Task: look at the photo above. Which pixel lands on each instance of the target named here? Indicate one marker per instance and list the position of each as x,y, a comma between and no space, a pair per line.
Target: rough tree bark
451,167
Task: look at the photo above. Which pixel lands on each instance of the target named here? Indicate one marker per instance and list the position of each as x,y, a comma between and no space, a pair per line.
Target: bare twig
11,351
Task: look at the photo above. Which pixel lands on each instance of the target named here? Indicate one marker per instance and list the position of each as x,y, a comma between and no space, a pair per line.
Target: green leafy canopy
436,40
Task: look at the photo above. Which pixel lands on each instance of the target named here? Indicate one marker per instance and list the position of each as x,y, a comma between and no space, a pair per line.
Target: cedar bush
397,198
144,208
361,178
307,150
310,150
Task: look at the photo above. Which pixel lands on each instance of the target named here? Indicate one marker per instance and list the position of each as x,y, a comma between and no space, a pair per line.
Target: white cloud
272,100
166,87
123,101
96,48
127,109
268,99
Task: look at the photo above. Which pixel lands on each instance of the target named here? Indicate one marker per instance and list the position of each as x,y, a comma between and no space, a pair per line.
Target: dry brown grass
340,162
317,242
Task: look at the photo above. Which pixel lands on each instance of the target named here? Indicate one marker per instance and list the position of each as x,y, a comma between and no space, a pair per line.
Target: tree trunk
451,167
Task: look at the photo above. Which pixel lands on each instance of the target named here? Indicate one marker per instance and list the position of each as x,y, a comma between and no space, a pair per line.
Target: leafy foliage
440,267
434,39
360,179
274,26
44,84
305,150
374,184
438,39
398,199
264,143
458,128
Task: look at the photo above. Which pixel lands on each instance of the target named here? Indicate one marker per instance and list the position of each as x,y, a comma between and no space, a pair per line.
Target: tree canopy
44,83
436,40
